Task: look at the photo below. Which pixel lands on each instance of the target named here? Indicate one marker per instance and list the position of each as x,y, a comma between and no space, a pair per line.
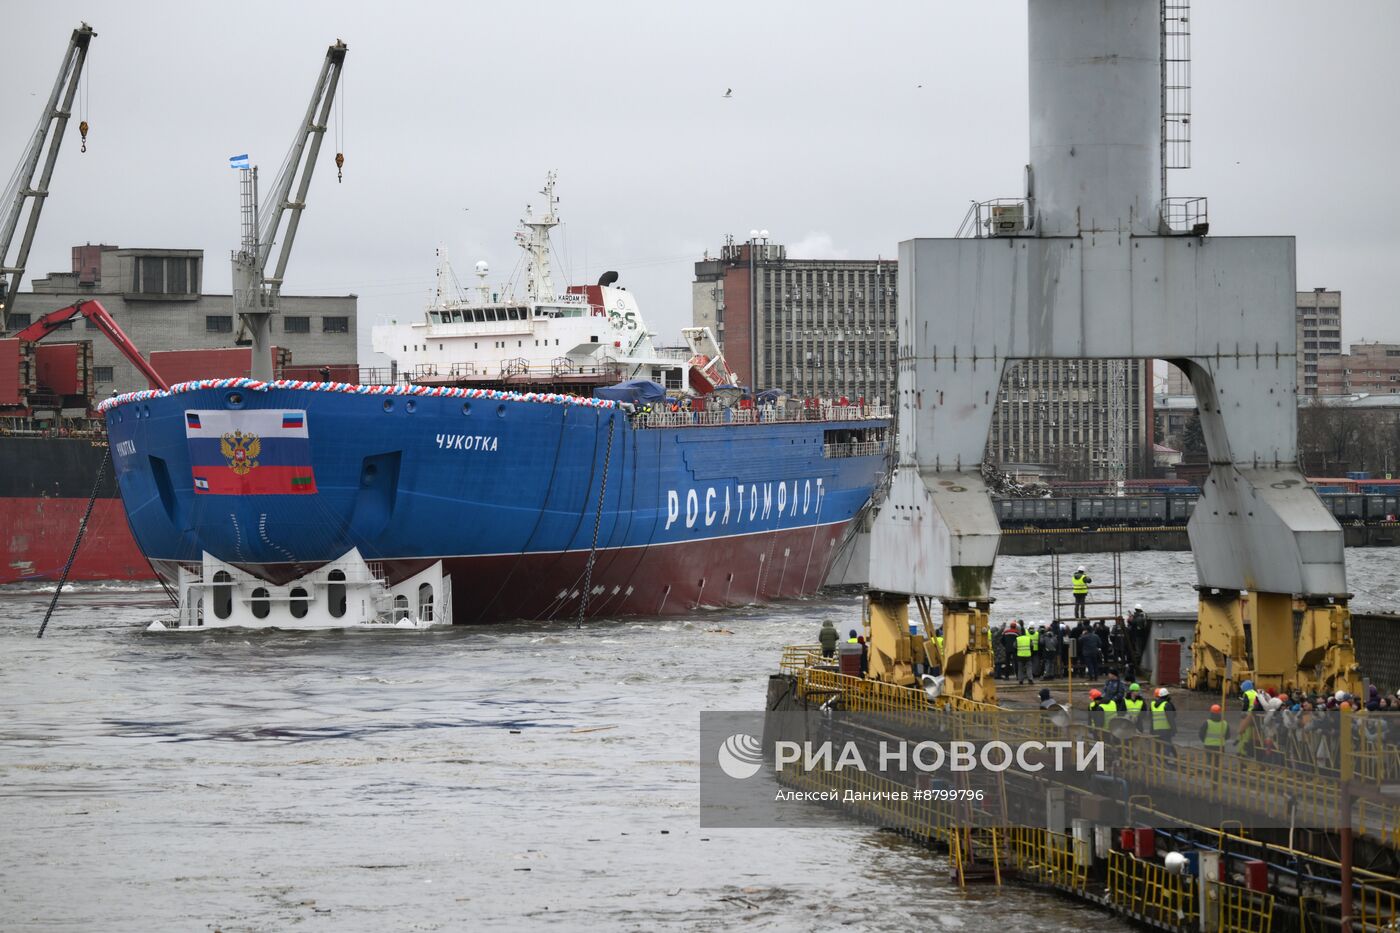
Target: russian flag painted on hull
258,452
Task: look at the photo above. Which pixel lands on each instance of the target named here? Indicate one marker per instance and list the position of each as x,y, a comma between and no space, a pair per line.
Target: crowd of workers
1030,651
1270,726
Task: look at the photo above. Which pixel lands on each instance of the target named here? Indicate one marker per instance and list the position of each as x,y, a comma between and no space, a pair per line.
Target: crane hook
82,131
339,165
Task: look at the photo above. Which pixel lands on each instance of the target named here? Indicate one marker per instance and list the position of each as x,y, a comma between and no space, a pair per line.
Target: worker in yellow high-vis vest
1163,713
1133,705
1024,654
1080,584
1214,731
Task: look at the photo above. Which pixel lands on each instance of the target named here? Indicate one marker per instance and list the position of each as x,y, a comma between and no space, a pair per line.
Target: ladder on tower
1176,86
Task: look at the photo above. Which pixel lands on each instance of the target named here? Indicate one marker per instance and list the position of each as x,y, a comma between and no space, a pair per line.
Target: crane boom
102,319
52,123
256,293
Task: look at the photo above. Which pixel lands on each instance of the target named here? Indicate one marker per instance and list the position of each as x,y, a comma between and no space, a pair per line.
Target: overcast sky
851,127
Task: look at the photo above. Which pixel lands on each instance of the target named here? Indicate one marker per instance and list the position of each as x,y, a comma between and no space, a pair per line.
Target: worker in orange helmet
1214,731
1096,717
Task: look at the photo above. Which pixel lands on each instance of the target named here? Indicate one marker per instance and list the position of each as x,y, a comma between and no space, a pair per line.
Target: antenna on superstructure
539,285
443,271
482,289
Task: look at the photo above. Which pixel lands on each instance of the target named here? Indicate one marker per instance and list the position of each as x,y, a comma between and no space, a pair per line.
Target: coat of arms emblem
241,451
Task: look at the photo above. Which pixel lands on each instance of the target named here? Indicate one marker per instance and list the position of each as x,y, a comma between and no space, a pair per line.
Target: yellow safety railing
797,658
861,695
1148,890
1047,857
1065,869
1243,910
1254,786
1375,910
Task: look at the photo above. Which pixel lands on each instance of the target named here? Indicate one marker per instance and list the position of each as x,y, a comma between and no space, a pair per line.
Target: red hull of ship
647,581
37,533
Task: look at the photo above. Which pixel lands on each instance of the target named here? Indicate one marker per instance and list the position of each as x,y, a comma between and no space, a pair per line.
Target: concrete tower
1093,270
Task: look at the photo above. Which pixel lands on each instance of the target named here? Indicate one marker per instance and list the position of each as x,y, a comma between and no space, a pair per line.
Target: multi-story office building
828,327
1319,324
1060,415
808,326
154,296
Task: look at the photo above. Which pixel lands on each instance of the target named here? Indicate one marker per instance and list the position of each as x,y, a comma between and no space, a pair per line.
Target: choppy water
484,778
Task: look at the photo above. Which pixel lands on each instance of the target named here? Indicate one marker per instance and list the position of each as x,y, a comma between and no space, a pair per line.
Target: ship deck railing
62,427
854,449
766,415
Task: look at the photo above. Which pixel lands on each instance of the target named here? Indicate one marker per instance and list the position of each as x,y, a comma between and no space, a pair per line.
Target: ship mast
534,239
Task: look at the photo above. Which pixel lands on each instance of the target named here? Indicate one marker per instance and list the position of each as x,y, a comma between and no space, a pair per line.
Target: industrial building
827,327
1319,326
155,297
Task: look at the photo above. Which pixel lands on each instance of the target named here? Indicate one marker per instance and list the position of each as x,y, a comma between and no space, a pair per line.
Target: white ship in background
589,336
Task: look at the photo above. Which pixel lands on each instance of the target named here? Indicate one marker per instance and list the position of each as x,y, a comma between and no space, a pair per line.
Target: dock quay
1170,834
1032,542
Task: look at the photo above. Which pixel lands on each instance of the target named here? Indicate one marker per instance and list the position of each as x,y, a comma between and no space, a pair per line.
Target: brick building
1371,368
154,296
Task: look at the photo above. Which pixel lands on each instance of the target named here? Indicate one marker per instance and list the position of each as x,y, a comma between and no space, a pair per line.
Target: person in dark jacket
1137,632
1075,634
827,637
1091,652
1118,639
864,656
1050,654
1008,645
1113,687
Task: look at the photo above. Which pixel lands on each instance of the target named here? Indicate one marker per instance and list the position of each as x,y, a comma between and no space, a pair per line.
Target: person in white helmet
1162,718
1080,584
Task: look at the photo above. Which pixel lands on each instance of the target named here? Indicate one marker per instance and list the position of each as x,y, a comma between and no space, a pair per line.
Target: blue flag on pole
238,161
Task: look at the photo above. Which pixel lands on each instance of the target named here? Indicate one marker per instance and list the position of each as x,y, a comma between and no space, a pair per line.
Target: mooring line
78,541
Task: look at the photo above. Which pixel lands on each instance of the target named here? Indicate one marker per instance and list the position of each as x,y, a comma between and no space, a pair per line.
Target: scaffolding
1104,602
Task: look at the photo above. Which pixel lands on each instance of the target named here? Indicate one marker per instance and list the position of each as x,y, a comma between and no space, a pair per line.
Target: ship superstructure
586,335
